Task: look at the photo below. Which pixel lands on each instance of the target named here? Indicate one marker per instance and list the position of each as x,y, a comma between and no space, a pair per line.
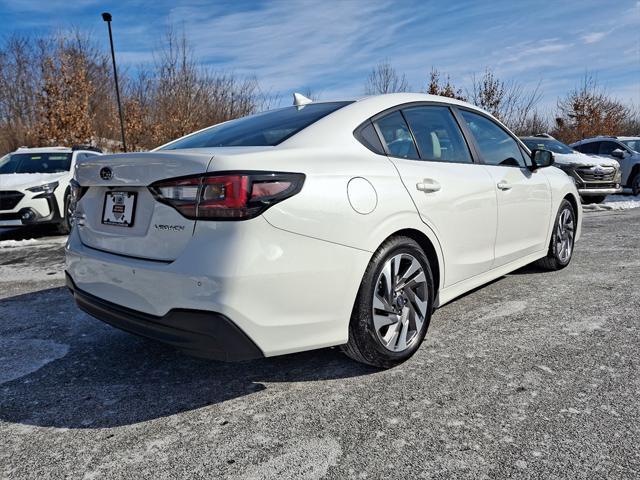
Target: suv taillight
227,196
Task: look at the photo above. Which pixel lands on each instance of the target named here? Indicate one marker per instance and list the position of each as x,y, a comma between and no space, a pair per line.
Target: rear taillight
227,196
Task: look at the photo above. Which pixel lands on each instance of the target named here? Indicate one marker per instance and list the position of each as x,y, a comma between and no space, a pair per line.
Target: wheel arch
428,248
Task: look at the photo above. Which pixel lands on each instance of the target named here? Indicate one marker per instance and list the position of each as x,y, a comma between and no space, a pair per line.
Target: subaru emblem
106,173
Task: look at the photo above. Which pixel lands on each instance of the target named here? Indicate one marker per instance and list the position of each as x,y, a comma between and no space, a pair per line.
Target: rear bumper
286,292
199,333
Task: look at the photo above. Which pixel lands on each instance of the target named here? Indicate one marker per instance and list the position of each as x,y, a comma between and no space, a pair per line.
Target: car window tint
397,136
262,129
607,147
437,134
368,136
591,147
496,146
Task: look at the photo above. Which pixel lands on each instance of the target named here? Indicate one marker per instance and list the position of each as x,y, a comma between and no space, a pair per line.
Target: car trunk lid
118,214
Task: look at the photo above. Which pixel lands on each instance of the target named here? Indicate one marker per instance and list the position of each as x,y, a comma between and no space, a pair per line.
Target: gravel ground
535,375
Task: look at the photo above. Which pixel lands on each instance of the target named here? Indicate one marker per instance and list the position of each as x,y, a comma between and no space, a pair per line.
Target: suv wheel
393,307
635,184
562,239
65,224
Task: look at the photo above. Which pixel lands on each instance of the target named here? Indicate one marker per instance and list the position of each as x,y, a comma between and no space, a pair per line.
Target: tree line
585,111
59,91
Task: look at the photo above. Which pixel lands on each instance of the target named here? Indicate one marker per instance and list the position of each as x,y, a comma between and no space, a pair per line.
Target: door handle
504,185
428,185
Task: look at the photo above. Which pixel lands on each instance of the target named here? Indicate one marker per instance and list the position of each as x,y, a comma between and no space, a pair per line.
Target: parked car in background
34,185
329,223
595,177
626,150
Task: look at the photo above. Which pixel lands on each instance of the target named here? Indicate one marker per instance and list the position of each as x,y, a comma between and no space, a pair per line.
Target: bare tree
507,101
443,88
588,110
384,79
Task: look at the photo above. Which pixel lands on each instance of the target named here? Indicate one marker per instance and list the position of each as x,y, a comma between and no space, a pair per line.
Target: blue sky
330,46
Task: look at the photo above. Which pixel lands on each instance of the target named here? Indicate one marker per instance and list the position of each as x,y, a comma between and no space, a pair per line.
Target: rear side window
591,147
496,146
263,129
396,136
437,134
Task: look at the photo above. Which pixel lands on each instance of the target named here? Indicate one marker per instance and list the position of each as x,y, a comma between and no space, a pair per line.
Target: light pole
106,16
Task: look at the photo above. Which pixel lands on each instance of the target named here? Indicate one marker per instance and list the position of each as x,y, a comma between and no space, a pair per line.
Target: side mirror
540,159
618,153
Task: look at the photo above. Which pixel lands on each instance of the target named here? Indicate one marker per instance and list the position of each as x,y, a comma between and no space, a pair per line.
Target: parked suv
34,185
626,150
595,177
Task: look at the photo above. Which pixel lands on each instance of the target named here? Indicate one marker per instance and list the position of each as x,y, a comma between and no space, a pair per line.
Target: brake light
229,196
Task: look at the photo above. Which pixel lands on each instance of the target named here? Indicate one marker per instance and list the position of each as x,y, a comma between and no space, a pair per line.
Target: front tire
393,308
562,239
635,184
64,227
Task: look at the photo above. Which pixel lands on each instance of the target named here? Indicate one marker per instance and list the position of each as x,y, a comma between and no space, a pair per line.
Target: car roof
358,111
43,150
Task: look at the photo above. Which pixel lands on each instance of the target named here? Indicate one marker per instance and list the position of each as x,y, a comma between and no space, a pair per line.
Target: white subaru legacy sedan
320,224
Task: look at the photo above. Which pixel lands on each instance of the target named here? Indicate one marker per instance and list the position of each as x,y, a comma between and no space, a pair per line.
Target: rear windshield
263,129
35,163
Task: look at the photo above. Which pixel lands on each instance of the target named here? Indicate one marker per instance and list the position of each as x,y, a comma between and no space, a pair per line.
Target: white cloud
594,37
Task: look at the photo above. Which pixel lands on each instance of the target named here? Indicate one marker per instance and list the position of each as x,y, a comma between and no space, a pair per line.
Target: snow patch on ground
310,458
33,242
615,202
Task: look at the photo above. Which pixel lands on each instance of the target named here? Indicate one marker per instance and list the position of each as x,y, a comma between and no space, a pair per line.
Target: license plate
119,209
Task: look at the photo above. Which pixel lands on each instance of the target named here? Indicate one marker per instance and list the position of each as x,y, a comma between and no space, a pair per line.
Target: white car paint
289,277
22,182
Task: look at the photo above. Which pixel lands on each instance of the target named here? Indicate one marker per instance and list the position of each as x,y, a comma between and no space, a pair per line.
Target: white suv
329,223
34,185
626,150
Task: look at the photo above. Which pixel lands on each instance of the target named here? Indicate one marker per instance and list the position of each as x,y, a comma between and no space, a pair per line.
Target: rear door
524,197
454,196
118,214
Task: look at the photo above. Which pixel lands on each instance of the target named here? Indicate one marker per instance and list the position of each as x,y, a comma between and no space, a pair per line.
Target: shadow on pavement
109,378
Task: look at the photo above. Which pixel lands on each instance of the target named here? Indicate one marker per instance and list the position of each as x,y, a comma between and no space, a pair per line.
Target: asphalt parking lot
536,375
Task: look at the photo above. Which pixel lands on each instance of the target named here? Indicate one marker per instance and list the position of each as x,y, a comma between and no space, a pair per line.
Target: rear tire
562,239
593,199
393,308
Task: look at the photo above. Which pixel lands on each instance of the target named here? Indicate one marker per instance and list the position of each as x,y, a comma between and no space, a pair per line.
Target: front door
523,196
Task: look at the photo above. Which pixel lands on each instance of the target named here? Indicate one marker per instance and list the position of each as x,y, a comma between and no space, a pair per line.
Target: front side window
437,134
35,163
496,146
632,144
397,137
263,129
607,147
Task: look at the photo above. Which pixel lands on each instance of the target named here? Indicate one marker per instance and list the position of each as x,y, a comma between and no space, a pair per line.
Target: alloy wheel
400,302
564,235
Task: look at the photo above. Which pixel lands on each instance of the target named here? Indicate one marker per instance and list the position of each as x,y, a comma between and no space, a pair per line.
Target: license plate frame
116,200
